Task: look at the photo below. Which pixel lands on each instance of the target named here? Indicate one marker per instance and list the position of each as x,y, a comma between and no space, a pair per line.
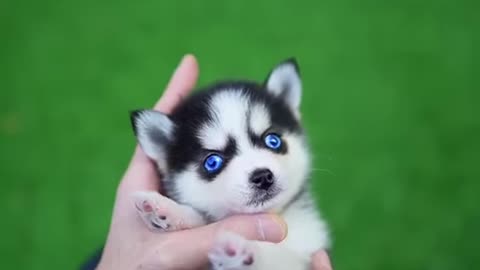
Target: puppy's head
236,147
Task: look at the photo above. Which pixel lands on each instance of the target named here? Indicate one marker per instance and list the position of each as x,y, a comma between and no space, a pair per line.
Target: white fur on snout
240,169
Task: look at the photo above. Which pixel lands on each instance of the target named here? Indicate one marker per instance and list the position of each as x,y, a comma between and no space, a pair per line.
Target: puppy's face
236,147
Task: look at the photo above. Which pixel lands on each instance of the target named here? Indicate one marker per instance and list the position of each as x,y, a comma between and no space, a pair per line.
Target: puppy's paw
231,252
158,212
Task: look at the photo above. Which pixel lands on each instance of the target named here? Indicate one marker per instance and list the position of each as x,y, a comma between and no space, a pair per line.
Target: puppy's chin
260,202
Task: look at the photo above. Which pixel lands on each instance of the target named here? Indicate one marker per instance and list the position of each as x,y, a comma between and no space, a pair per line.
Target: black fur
133,116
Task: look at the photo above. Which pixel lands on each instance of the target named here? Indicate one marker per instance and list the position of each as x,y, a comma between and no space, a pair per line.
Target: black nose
262,178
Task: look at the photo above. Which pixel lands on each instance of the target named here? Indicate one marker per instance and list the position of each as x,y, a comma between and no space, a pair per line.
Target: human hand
321,261
130,245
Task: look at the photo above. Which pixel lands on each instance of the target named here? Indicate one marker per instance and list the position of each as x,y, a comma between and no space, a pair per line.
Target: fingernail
180,63
271,228
185,58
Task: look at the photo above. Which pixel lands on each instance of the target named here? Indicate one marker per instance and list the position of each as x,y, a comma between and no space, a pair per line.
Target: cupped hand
130,245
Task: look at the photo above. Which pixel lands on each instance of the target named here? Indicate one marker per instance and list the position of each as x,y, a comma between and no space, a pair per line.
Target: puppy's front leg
162,214
233,252
278,256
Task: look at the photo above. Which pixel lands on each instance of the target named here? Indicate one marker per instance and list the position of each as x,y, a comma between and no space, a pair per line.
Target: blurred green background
391,103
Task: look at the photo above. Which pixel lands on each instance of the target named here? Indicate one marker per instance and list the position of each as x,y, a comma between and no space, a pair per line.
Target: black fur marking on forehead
194,112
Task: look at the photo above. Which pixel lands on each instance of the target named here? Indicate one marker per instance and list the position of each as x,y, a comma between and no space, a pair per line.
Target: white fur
226,119
285,80
296,165
146,122
305,223
307,233
242,251
259,119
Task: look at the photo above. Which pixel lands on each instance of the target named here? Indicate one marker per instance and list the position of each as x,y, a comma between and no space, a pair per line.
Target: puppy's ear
154,132
284,81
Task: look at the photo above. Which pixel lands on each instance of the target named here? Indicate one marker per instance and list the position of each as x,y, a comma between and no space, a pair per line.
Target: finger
321,261
181,84
140,175
264,227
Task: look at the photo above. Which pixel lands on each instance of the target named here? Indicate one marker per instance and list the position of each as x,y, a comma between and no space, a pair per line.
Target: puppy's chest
307,232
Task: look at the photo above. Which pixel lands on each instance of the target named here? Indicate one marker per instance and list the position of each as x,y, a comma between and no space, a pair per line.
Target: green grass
391,103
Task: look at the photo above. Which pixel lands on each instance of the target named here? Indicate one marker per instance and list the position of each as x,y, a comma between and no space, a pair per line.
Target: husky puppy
237,147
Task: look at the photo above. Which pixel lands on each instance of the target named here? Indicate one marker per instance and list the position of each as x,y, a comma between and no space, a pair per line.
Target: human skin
130,245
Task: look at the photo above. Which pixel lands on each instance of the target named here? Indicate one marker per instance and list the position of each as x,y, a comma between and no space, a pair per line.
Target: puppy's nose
262,178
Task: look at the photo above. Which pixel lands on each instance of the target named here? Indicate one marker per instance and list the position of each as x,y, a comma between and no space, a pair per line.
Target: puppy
237,147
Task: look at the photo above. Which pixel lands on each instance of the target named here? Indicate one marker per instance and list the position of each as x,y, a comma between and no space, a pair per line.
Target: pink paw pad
231,252
147,207
155,212
248,260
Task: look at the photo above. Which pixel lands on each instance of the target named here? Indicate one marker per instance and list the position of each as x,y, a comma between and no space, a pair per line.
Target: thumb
264,227
196,243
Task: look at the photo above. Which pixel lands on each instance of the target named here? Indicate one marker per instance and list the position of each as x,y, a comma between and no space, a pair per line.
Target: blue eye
273,141
213,163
